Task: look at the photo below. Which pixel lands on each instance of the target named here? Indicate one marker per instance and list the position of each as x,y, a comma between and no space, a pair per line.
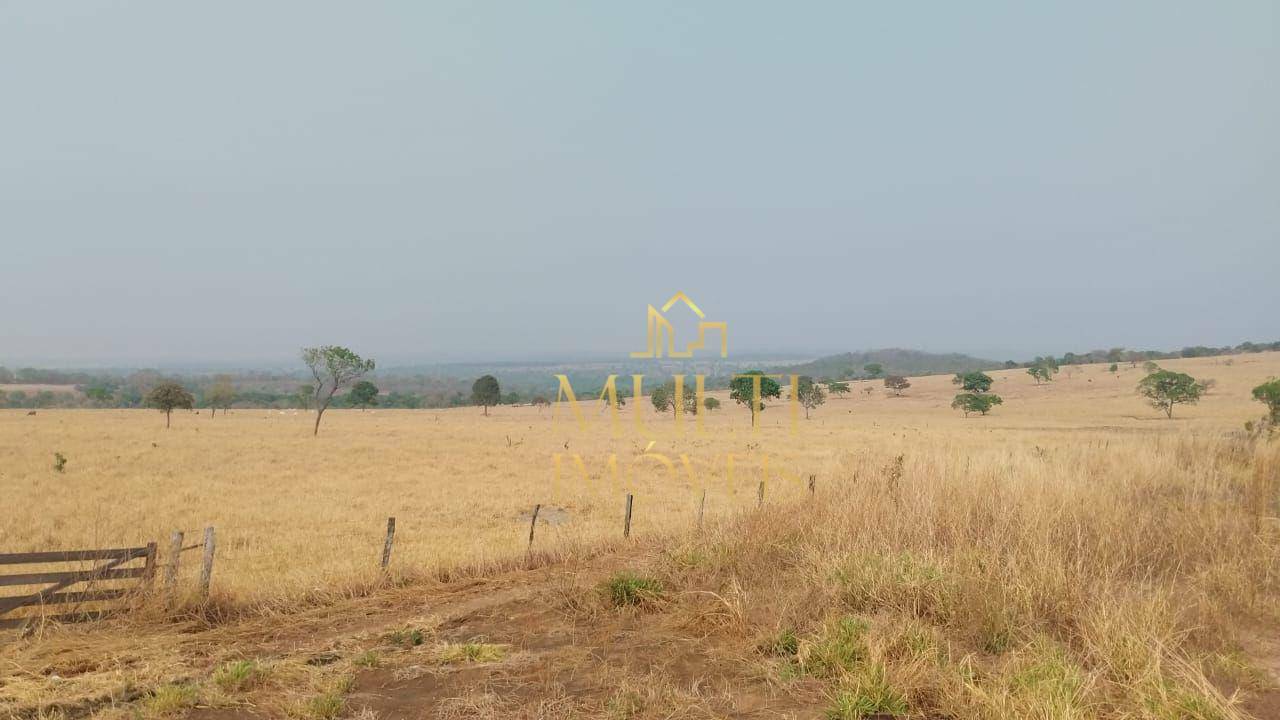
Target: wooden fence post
150,571
175,552
206,570
760,495
626,523
533,523
702,506
386,545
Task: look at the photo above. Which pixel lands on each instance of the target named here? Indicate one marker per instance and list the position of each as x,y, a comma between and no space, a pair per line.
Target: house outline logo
659,328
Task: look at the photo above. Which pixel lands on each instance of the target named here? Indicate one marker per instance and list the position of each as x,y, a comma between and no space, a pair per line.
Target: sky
186,183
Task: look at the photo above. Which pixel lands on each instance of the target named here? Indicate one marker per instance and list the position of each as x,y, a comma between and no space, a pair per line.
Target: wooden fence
99,599
93,600
99,581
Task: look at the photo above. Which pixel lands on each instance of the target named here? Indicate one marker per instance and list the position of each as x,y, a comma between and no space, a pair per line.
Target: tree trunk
486,411
319,412
1169,411
167,413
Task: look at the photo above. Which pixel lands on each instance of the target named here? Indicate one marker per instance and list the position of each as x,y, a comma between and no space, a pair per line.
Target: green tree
810,394
838,388
1165,388
511,398
897,384
742,389
486,392
711,403
973,381
873,370
1268,393
1150,367
1114,368
663,398
167,396
1040,373
363,394
333,367
972,402
221,395
101,395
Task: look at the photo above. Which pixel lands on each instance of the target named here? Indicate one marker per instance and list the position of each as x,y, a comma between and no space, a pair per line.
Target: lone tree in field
221,395
168,396
972,402
1040,373
663,398
838,388
1268,393
743,390
873,370
333,367
973,382
810,394
897,384
485,392
363,394
1113,369
711,403
1165,388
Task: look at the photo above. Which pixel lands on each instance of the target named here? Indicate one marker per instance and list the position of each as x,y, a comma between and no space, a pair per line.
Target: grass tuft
627,588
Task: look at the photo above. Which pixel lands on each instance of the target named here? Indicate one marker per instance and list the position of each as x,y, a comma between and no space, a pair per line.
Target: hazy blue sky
210,182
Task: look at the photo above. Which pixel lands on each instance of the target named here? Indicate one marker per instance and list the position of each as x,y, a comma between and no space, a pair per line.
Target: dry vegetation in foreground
1068,557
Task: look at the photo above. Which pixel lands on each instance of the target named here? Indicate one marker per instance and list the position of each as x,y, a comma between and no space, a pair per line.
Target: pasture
301,516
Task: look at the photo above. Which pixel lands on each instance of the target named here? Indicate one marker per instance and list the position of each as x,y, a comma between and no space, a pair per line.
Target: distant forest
450,386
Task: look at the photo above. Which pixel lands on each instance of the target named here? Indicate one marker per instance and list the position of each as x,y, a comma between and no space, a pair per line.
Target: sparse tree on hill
742,390
873,370
810,394
221,394
1040,373
662,398
486,392
973,381
1113,369
838,388
333,367
168,396
363,394
1268,393
897,384
1165,388
711,403
972,402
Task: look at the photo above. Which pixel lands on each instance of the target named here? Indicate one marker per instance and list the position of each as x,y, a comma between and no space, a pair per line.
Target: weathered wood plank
61,598
51,556
72,576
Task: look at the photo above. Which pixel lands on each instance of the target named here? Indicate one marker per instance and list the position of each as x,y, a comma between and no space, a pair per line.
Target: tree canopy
972,402
743,390
363,394
973,381
1165,388
897,384
168,396
810,394
1268,393
333,367
486,392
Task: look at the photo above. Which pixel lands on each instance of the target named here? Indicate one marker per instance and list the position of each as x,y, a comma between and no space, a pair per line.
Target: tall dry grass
1074,583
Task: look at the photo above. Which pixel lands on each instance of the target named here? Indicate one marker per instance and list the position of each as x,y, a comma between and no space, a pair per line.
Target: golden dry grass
1073,555
299,516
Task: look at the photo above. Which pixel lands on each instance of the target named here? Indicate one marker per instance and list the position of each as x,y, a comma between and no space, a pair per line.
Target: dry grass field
1072,555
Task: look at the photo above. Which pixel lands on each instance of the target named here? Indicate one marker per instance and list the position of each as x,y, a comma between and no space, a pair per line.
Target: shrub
626,588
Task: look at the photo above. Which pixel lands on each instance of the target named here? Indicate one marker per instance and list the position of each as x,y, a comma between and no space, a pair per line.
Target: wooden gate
89,590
